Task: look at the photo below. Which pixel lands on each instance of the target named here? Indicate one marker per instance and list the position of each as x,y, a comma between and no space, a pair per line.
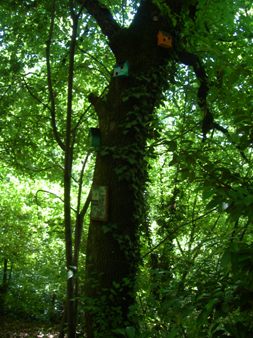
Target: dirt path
13,328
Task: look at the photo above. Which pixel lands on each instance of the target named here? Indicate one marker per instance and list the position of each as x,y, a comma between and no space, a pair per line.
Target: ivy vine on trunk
125,115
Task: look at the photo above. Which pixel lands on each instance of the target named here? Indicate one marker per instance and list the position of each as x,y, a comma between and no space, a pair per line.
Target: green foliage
195,277
34,249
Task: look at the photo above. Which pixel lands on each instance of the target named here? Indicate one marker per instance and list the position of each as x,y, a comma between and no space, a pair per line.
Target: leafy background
195,279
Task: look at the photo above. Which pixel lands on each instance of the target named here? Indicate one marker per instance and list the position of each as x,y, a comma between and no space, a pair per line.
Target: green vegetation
166,250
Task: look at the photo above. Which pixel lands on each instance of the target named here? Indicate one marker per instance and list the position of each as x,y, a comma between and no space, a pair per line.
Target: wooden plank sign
99,203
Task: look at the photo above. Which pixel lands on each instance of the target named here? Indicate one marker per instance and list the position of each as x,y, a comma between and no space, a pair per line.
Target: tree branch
79,195
34,96
103,17
86,205
50,193
180,226
79,228
108,72
208,122
49,81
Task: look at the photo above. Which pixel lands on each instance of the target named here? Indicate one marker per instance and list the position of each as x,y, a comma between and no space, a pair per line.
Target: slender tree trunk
69,145
4,286
72,251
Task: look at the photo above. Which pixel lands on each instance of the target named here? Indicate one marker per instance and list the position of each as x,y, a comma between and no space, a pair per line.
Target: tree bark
125,116
125,119
68,163
4,286
112,248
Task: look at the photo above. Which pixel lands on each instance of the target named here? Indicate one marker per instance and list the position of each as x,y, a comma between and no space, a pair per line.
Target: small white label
70,274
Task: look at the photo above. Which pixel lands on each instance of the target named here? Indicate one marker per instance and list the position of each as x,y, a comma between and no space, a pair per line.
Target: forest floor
13,328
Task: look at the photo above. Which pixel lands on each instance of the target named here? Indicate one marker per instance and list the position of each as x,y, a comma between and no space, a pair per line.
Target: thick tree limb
208,122
103,16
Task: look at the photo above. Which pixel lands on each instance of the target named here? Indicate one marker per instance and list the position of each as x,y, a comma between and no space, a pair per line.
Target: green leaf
131,332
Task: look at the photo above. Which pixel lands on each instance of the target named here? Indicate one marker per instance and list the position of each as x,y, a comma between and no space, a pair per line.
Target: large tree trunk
113,248
125,120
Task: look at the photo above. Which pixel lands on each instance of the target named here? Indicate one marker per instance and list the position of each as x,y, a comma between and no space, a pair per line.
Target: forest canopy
126,166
